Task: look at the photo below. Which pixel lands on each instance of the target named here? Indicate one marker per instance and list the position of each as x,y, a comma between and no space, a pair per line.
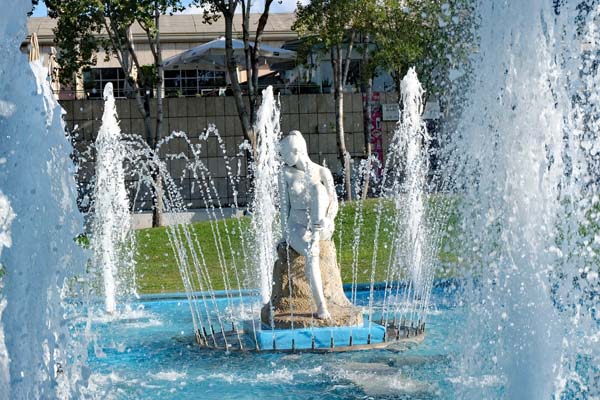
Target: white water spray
526,178
111,237
36,176
266,192
7,216
414,141
415,237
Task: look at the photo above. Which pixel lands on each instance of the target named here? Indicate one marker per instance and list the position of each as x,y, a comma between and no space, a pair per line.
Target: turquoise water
150,353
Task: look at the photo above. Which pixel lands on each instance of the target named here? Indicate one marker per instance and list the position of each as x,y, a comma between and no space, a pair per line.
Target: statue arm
327,180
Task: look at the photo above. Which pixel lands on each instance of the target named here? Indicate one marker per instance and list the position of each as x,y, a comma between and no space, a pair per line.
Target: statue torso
297,182
311,197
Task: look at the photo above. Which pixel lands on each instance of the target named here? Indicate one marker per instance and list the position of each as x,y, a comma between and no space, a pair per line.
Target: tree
405,36
432,35
396,35
215,9
86,28
333,26
390,35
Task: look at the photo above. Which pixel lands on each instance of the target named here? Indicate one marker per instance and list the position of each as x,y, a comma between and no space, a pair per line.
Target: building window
95,79
192,82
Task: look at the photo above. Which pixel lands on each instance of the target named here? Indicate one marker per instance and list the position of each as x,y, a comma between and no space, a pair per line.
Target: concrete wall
313,114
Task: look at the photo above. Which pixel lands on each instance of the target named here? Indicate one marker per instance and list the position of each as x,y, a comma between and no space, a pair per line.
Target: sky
282,6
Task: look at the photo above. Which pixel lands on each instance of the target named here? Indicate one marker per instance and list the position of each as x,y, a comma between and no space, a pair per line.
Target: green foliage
449,45
419,33
324,24
86,28
401,33
401,38
212,10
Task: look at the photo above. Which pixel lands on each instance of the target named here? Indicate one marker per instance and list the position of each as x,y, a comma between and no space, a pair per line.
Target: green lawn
157,270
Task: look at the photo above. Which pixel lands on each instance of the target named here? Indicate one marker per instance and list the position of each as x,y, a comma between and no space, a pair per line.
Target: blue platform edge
281,339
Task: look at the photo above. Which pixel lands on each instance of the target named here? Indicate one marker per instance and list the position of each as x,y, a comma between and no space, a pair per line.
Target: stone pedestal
300,306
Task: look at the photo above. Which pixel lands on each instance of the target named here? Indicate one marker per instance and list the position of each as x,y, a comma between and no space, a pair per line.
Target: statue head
293,148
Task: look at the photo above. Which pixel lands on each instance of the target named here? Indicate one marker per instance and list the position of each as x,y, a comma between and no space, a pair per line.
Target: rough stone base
300,307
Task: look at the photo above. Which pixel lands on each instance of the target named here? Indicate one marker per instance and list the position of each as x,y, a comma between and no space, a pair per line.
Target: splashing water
266,192
414,237
526,171
36,176
7,216
112,242
414,141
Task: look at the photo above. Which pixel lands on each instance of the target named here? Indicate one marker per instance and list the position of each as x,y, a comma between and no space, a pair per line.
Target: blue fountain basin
152,354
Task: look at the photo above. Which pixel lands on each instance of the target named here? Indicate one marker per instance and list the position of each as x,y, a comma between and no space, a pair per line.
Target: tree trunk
157,201
367,136
254,58
249,59
348,59
157,212
144,107
367,89
252,77
338,94
247,128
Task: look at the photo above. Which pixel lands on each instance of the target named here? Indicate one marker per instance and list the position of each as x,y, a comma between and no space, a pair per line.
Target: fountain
111,240
522,168
416,240
302,301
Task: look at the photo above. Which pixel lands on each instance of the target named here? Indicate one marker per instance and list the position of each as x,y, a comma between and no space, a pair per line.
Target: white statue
308,209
